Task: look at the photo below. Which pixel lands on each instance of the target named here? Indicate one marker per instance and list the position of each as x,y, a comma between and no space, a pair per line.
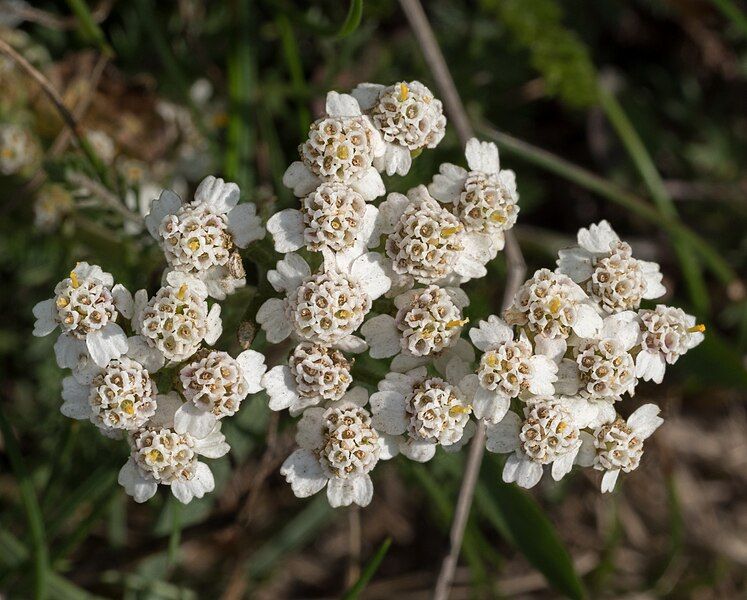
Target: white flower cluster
113,379
430,241
571,348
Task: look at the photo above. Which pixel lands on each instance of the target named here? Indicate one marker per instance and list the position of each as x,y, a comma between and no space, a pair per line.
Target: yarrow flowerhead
604,266
122,396
18,149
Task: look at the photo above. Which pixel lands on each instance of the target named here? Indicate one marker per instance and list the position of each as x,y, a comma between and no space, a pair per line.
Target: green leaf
518,518
353,20
368,572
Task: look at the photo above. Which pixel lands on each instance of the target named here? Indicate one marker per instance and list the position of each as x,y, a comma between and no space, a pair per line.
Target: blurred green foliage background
632,111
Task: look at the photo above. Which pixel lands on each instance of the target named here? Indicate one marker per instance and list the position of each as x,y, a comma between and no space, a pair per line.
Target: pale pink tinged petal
458,297
166,204
403,362
576,263
244,225
391,210
358,395
309,430
492,332
75,399
214,444
140,302
588,322
623,327
382,336
369,270
482,156
71,352
587,452
417,450
123,300
219,195
214,325
286,228
341,492
544,375
605,413
352,344
528,474
402,382
362,489
369,233
652,277
650,366
191,419
135,484
388,445
300,179
107,343
202,483
281,387
389,415
342,105
582,410
367,95
253,367
138,349
45,318
511,467
609,479
597,238
562,465
469,386
456,368
178,278
85,271
471,259
369,185
490,405
396,160
271,317
289,273
448,184
645,420
503,437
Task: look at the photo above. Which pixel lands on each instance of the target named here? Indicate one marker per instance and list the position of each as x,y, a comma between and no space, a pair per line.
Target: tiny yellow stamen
491,360
194,244
342,314
699,328
155,455
456,323
182,292
562,426
404,91
554,305
343,153
74,279
497,217
128,407
459,410
449,231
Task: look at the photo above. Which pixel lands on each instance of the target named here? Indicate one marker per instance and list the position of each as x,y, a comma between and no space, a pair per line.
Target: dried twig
108,198
354,539
516,271
52,21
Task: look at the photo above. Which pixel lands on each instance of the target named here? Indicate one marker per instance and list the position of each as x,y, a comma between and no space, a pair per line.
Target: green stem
732,12
88,26
31,507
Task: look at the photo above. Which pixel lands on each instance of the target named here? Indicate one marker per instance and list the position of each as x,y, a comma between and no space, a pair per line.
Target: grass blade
353,19
732,12
88,26
369,571
30,506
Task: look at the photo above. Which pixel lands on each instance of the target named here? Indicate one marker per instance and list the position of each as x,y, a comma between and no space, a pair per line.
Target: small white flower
52,204
427,326
546,435
338,449
160,455
314,374
85,308
341,147
333,216
214,385
427,243
667,333
551,307
618,445
484,198
18,149
177,319
604,266
408,117
508,369
201,237
102,144
325,307
422,412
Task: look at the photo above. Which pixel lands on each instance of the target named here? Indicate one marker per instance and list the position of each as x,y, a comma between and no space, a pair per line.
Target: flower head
423,412
85,309
338,449
484,199
408,117
160,455
53,203
177,319
314,374
201,237
604,266
214,384
18,149
666,334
